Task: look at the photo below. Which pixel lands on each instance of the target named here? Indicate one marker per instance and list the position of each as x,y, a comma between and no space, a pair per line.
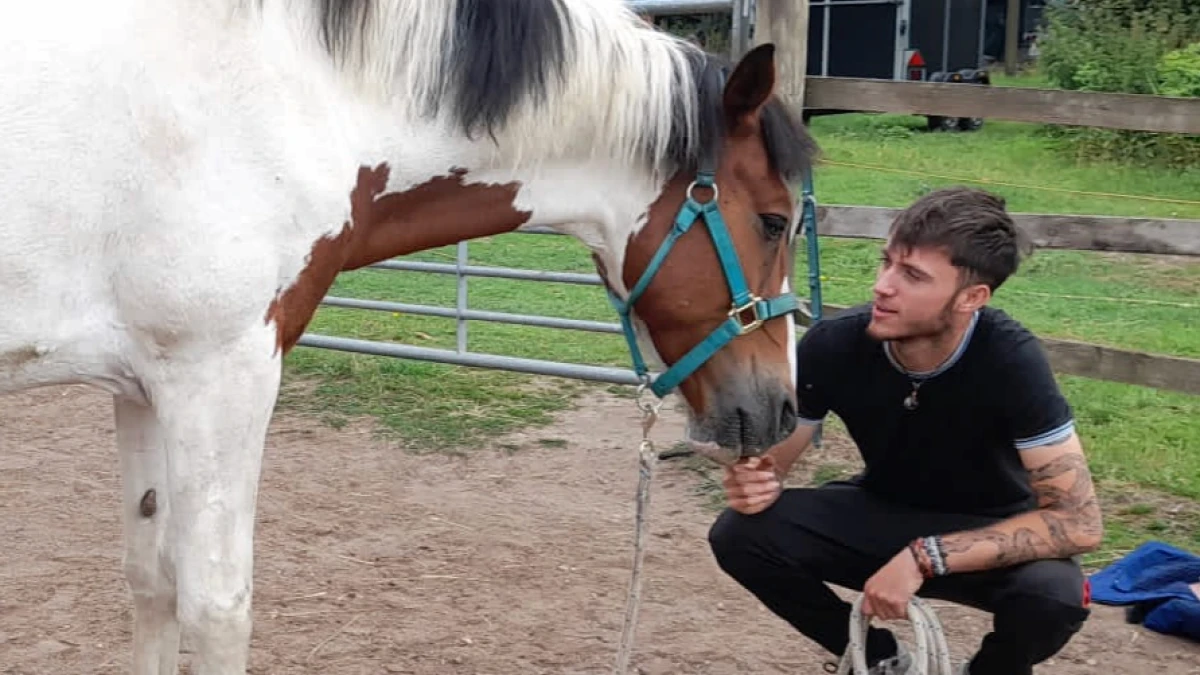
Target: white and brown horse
182,180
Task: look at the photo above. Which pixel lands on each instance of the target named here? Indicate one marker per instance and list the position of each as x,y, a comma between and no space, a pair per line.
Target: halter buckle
738,312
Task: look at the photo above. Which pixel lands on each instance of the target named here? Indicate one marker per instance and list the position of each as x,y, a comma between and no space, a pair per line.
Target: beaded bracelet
930,556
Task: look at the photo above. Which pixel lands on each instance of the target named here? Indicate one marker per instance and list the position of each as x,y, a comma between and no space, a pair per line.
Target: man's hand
752,485
887,593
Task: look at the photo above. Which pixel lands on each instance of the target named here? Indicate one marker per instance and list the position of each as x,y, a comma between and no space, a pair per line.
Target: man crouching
975,488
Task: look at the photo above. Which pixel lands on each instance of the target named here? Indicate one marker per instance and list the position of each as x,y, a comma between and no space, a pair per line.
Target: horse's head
710,273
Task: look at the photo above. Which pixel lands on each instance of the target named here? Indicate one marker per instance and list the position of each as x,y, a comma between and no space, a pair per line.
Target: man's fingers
753,503
743,476
750,497
738,490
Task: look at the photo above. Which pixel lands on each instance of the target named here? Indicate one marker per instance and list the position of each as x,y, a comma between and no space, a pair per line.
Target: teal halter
747,313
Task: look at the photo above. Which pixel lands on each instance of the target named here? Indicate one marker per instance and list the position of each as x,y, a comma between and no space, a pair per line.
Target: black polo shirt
959,449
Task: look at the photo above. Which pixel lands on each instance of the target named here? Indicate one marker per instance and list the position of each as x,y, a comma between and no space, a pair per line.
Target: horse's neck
324,128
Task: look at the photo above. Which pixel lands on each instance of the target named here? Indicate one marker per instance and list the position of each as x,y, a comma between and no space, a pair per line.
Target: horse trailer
917,40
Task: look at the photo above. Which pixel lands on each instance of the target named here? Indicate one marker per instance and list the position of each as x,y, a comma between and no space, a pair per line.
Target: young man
975,488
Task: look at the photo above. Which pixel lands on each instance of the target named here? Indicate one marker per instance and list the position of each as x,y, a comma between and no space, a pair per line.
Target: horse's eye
774,225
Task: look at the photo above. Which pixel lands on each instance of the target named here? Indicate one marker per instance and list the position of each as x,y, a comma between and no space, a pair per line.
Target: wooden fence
785,23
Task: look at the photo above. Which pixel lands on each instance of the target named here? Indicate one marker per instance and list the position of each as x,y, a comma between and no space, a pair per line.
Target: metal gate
462,314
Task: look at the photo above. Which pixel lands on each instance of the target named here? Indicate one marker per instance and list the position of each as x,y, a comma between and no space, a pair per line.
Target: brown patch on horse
438,212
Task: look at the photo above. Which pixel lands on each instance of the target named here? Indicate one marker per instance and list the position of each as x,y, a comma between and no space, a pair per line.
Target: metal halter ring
712,186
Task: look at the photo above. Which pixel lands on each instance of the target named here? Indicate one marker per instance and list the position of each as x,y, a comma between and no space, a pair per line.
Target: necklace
910,401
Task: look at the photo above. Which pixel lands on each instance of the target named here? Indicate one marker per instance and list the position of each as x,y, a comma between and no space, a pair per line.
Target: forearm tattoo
1067,522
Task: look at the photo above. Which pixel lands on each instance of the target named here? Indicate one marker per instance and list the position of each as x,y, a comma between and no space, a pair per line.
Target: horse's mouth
713,451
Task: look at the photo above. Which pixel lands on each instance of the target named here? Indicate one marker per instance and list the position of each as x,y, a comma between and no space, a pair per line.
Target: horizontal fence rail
1097,362
678,7
1135,112
1061,231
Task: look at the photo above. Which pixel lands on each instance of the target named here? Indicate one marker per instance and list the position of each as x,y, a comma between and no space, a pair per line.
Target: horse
182,182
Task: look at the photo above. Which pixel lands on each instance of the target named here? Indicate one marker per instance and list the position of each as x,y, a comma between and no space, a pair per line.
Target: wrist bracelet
937,555
924,565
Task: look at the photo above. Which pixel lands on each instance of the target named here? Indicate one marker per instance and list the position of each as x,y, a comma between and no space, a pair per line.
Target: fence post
785,23
460,320
1012,37
740,28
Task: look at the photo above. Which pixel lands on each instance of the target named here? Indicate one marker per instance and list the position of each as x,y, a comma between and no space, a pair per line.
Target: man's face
916,293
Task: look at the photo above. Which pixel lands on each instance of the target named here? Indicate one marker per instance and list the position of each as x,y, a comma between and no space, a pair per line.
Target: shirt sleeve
812,382
1038,413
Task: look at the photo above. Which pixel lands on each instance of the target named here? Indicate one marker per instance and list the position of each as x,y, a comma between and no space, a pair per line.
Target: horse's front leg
214,410
145,512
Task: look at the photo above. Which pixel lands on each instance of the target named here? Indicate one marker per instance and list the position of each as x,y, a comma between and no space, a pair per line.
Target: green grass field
1144,444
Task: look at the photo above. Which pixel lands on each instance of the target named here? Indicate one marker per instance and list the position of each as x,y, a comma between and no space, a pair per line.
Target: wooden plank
1048,106
785,23
1081,233
1118,365
1172,373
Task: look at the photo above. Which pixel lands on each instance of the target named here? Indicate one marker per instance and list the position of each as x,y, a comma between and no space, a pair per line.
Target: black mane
507,51
790,148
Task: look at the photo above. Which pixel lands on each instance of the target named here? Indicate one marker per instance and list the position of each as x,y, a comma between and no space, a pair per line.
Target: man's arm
1067,521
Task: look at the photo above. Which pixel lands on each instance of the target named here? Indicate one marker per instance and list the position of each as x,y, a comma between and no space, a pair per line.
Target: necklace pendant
910,401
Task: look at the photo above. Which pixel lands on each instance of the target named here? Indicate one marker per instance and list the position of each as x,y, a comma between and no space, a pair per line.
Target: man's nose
883,285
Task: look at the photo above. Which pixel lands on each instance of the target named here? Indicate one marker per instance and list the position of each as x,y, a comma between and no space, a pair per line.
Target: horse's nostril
745,426
787,416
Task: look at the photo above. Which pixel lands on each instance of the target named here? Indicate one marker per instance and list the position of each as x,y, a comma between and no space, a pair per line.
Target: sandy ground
375,560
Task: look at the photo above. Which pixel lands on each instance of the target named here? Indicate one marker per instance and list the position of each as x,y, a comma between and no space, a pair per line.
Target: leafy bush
1125,46
1179,72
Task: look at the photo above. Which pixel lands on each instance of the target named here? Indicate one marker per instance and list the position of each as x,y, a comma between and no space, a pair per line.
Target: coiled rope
932,656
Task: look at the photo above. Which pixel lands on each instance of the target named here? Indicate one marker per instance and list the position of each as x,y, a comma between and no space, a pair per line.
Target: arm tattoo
1067,522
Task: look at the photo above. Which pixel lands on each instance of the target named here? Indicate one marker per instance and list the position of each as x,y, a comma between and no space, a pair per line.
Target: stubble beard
929,329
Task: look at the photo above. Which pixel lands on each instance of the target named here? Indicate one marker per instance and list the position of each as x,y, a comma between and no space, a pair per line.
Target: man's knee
1045,598
1060,581
733,539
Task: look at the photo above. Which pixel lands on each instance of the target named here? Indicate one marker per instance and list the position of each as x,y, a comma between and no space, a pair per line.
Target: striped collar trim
946,365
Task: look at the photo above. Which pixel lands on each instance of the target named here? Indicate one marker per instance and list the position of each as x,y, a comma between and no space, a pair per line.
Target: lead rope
647,460
932,656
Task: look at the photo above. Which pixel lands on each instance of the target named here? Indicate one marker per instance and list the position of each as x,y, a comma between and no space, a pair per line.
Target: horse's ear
750,85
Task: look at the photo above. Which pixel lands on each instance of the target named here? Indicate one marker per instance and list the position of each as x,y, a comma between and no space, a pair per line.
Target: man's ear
973,297
750,86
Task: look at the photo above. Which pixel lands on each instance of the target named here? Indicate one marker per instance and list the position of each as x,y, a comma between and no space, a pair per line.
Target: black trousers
787,554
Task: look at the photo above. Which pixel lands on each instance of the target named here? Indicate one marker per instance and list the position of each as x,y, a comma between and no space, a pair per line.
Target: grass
1144,444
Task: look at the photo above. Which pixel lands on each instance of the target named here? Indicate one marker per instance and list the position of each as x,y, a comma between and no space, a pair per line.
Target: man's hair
972,226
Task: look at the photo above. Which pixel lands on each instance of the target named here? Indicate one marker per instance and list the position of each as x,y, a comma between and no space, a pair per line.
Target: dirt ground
511,559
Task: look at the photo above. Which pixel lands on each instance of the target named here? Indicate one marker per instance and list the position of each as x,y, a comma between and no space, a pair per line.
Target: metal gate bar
464,315
490,361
